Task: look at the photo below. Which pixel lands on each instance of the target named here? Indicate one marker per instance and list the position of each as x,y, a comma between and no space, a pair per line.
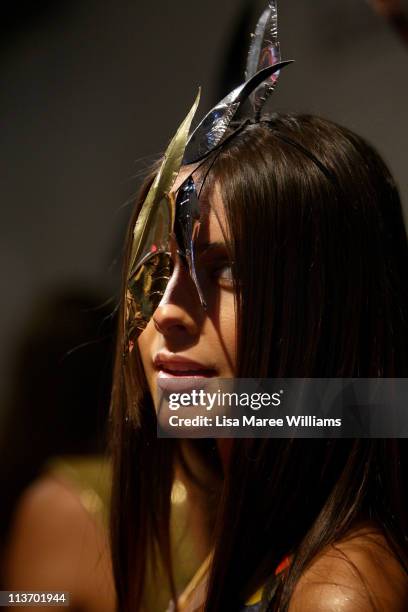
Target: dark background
91,92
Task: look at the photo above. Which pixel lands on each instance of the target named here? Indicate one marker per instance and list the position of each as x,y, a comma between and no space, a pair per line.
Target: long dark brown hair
320,266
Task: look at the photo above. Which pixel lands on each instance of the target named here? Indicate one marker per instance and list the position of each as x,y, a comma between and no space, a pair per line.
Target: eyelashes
223,274
212,263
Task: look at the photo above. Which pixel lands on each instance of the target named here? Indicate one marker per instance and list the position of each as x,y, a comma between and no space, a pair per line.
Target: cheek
144,343
227,322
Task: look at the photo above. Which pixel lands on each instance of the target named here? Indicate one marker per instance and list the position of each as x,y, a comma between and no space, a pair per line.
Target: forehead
213,223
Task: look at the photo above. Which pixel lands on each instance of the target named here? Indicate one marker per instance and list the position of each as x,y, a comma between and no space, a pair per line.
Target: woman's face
182,339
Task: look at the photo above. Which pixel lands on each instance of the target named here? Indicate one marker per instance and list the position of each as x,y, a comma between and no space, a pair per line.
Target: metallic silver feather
264,51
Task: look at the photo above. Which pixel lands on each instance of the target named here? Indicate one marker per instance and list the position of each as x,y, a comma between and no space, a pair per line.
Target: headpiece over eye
163,215
150,262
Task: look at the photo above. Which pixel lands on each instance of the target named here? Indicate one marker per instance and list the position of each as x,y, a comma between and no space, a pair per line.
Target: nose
177,315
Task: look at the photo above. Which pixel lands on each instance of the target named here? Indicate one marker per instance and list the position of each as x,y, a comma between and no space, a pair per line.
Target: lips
175,365
177,373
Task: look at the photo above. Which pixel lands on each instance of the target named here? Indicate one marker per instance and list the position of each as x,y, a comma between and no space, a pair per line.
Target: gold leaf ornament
150,262
159,189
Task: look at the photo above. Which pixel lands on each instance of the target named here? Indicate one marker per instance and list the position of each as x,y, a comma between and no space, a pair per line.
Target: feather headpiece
162,215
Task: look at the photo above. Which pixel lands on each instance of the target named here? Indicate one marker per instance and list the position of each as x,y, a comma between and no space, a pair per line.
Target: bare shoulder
47,508
55,544
357,574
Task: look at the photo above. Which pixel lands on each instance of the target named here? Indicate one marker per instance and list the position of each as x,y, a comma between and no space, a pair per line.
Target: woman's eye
223,274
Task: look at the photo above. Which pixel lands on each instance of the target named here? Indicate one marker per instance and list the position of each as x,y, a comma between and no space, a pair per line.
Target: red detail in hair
282,566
